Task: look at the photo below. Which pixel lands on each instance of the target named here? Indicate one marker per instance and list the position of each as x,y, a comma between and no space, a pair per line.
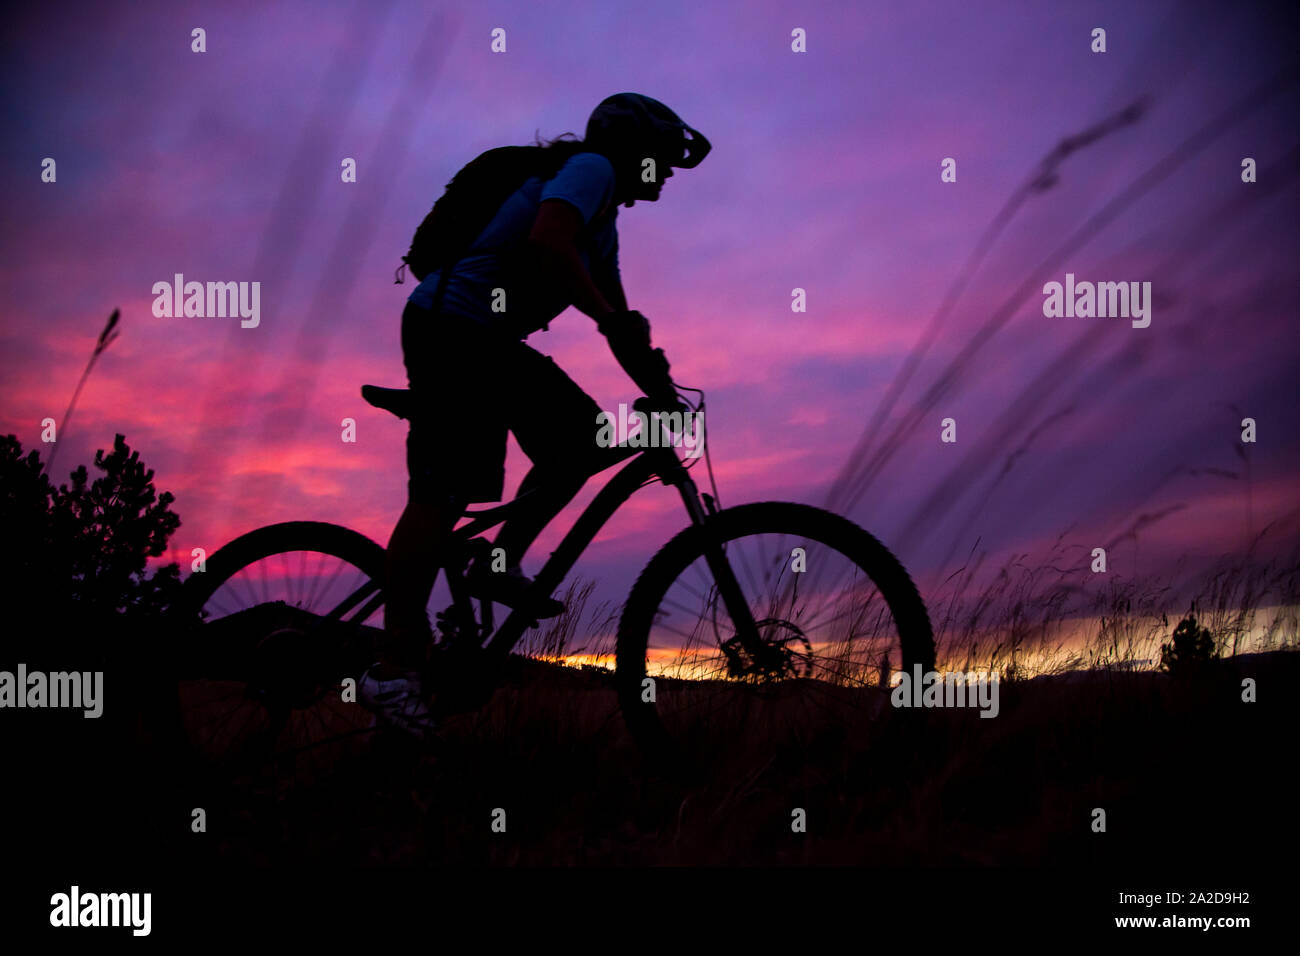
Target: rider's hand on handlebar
668,403
660,393
628,334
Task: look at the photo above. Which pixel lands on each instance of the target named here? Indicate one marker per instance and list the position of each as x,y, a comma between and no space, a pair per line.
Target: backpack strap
444,275
502,154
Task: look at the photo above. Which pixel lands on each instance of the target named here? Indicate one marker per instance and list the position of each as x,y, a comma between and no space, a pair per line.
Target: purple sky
224,166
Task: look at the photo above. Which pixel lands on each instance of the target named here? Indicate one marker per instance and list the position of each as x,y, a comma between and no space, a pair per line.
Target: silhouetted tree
25,511
1191,648
74,558
78,595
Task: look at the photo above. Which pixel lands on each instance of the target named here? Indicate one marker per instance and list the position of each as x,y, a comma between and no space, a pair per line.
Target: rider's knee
565,481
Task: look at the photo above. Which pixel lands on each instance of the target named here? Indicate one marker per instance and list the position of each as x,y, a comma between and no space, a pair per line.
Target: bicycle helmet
632,120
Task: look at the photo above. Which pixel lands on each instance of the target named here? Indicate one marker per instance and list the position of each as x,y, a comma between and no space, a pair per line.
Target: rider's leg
550,494
439,365
557,428
552,490
413,558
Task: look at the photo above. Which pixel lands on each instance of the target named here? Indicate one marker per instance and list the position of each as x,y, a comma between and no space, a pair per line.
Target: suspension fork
715,555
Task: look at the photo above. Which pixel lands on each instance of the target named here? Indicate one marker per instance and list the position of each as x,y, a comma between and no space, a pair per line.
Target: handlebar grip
648,406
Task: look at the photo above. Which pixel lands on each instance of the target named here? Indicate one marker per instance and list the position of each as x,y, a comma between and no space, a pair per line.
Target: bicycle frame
646,464
649,463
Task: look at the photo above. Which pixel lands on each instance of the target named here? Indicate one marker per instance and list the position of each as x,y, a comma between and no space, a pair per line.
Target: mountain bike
764,622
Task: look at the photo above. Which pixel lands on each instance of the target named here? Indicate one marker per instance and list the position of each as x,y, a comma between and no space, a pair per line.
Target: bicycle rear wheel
274,626
835,613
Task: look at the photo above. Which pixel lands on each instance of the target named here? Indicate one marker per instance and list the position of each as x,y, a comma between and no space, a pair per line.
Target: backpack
473,197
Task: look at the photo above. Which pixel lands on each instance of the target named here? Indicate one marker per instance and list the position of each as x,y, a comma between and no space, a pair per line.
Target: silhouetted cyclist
552,244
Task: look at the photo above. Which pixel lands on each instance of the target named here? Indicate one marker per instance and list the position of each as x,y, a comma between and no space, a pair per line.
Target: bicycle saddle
395,400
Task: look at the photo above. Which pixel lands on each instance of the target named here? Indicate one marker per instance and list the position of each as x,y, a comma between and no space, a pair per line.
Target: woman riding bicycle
550,245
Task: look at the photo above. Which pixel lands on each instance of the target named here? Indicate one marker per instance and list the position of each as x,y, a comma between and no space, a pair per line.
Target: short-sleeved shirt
498,260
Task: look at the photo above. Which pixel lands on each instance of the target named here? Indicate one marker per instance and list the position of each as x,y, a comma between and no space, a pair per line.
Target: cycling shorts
472,385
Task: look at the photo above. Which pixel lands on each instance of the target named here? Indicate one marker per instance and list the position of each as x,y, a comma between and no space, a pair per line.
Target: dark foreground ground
1187,773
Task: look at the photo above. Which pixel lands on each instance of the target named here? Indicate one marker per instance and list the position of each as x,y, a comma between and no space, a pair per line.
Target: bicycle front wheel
834,614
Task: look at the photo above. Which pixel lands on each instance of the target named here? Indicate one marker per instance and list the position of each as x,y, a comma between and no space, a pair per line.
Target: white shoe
398,703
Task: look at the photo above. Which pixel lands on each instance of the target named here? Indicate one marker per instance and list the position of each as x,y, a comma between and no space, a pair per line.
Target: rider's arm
608,278
611,287
554,240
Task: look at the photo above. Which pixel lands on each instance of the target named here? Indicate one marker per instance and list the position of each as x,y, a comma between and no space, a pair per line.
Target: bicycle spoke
292,580
315,581
692,591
